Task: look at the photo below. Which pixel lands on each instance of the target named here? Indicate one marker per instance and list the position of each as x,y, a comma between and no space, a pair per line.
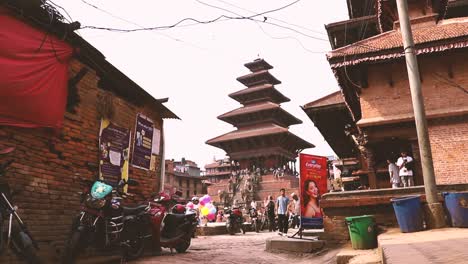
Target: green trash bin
362,231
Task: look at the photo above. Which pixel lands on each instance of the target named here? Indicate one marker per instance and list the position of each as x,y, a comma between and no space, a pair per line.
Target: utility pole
435,210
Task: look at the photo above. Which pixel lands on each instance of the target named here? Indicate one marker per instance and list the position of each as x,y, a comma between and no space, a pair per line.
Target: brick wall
380,99
449,142
443,78
48,167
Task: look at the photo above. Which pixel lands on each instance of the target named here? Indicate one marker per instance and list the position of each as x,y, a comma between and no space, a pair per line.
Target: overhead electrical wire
272,18
138,25
217,19
262,29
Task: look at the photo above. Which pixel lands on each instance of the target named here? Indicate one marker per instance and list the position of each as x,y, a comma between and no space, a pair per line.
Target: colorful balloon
211,217
205,211
213,210
207,198
202,203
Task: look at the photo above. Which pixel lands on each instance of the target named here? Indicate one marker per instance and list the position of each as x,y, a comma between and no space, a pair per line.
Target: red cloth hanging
33,75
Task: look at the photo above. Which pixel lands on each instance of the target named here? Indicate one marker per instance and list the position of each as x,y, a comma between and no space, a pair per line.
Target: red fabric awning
33,75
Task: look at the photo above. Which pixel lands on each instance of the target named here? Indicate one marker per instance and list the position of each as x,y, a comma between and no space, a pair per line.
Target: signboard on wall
114,147
313,183
142,144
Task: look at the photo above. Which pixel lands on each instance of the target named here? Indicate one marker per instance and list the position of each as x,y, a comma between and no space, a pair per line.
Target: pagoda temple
262,138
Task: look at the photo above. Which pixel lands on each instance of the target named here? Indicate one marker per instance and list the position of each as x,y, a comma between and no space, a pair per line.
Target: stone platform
294,245
351,256
446,245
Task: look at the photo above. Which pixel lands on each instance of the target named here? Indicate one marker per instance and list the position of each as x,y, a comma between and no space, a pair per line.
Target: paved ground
248,248
447,245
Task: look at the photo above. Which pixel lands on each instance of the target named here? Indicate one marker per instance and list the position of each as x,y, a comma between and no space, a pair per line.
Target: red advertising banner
314,173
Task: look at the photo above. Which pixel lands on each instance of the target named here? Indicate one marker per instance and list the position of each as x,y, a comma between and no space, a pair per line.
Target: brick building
184,176
370,69
49,163
219,170
371,117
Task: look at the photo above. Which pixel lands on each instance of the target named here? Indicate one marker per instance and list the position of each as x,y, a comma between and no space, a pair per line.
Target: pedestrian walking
282,210
270,208
394,174
405,165
295,210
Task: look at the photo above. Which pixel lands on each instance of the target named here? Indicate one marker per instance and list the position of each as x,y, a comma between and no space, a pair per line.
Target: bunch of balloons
207,209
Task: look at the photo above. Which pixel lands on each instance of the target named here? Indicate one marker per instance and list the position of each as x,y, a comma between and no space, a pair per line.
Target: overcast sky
197,66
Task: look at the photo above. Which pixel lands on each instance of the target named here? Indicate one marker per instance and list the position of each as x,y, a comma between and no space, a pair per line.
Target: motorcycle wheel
23,246
230,229
135,247
73,247
182,247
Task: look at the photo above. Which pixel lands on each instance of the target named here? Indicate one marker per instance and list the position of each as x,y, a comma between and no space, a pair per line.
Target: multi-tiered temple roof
262,125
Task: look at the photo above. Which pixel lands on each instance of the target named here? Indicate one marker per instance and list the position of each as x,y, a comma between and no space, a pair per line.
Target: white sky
197,66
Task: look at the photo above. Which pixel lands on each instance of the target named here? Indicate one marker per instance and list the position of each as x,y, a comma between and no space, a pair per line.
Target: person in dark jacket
270,208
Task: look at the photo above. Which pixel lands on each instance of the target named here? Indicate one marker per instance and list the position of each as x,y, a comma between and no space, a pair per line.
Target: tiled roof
217,165
250,109
445,35
257,65
249,132
260,77
275,110
252,89
276,95
331,99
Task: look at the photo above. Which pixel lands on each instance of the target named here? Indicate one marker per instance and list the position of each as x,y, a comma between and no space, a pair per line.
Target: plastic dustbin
362,231
409,214
457,206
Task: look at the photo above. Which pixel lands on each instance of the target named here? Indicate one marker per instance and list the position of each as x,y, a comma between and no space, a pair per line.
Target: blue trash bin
408,212
457,206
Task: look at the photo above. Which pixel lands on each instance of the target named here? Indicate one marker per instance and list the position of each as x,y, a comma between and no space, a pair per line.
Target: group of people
401,172
281,209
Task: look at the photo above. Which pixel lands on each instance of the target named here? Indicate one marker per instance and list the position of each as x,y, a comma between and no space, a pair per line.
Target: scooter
17,236
234,220
172,226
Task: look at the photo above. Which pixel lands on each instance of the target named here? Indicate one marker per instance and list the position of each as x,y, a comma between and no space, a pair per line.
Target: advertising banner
114,145
313,177
142,145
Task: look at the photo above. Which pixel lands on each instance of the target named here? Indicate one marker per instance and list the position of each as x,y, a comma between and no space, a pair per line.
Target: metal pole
435,212
163,162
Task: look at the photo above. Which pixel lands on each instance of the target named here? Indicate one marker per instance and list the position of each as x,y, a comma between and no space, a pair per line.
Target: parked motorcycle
293,220
234,220
254,220
172,226
106,225
17,236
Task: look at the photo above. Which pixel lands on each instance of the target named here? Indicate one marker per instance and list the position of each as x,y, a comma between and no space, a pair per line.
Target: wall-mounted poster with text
114,146
313,177
142,144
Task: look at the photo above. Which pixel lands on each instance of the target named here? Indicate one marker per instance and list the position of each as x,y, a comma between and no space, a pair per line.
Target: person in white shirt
404,164
394,173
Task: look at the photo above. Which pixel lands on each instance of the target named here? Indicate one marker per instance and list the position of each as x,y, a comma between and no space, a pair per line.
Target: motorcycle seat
134,210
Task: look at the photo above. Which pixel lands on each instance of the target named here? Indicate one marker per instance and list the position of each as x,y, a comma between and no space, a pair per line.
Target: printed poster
142,146
114,145
156,141
313,183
